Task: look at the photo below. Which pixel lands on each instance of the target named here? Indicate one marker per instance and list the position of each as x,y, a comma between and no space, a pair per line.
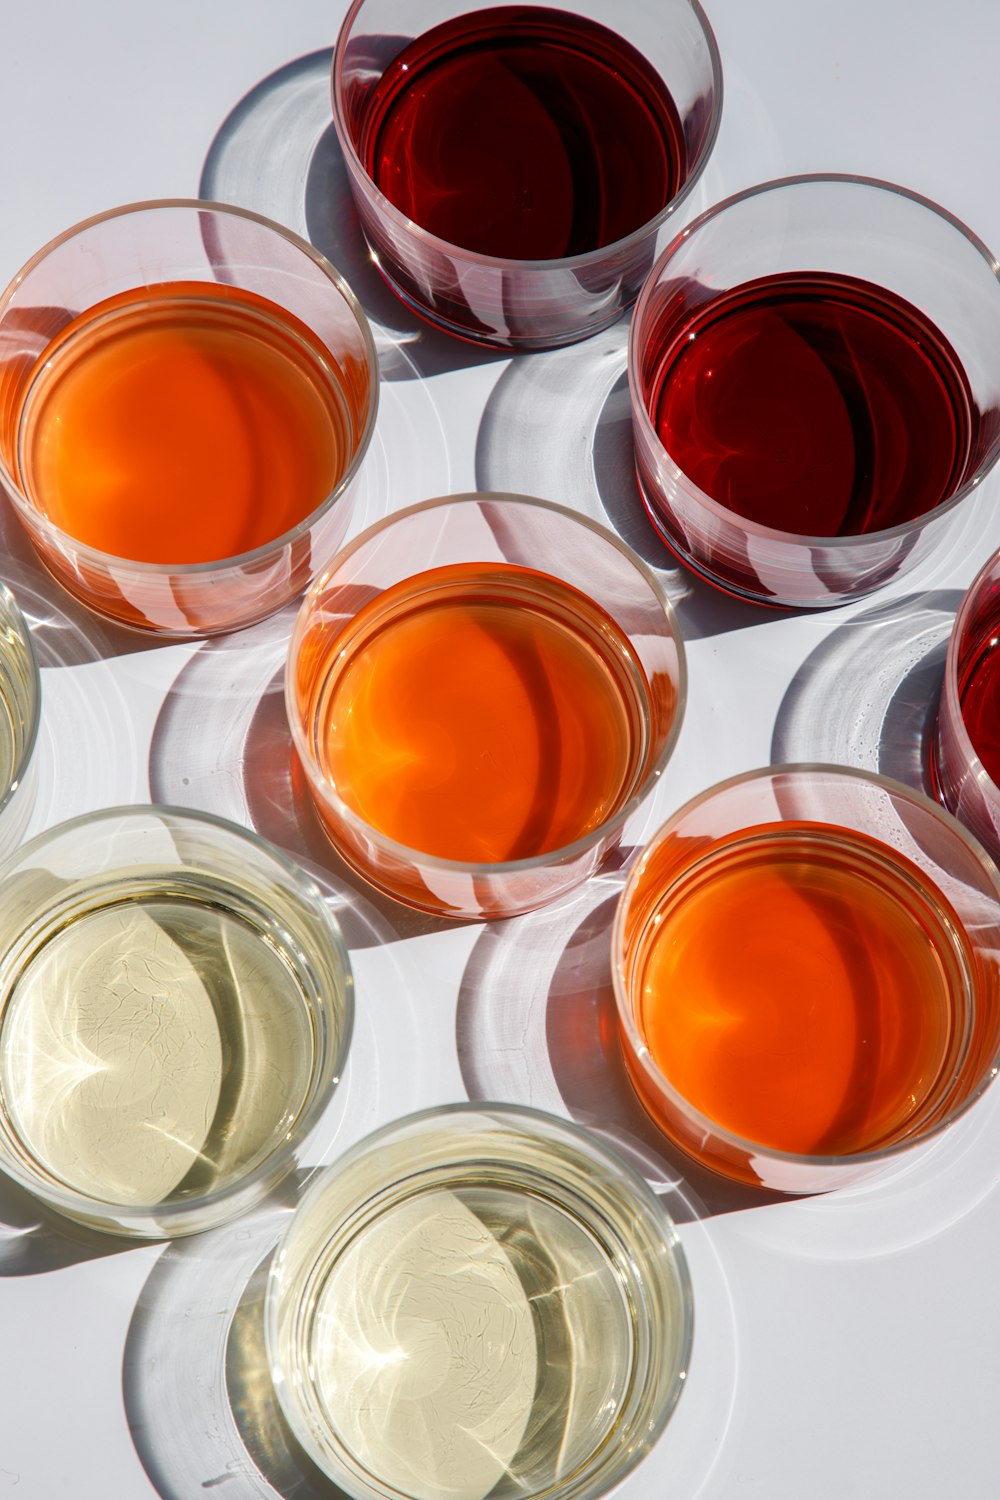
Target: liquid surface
979,694
481,712
153,1050
183,423
803,990
813,404
469,1342
523,133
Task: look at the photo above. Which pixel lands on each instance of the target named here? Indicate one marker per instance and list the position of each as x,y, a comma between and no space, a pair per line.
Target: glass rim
949,685
266,550
638,405
658,1080
583,259
278,1161
542,1125
565,853
23,760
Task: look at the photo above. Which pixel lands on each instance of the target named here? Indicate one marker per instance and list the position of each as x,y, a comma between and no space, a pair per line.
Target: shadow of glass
221,744
559,425
65,632
867,696
198,1396
34,1240
536,1024
277,153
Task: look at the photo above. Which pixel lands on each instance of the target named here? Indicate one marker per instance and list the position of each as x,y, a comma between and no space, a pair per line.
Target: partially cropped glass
20,712
814,369
175,1012
481,690
965,760
187,392
478,1300
516,169
807,974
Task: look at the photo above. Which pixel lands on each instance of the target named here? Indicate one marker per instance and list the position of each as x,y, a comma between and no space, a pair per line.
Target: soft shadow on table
33,1240
536,1024
277,153
558,425
198,1396
867,696
221,744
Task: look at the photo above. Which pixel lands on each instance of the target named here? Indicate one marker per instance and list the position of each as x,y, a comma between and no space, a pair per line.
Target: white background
845,1346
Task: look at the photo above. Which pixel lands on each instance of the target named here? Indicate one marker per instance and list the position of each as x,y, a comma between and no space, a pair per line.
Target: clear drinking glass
477,1300
187,392
481,689
884,270
965,763
20,712
807,974
501,295
175,1012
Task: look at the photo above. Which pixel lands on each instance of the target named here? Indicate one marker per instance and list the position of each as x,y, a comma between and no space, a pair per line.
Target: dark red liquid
523,133
812,403
979,692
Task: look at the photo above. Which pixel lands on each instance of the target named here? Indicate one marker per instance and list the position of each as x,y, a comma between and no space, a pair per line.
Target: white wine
175,1010
506,1322
154,1050
19,708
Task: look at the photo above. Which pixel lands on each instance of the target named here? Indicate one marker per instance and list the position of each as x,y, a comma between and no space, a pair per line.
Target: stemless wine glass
807,975
515,170
187,392
175,1012
20,714
481,690
814,370
478,1300
965,758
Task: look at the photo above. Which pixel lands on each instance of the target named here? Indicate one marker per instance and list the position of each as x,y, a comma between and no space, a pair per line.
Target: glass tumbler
965,760
478,1300
175,1012
814,373
187,392
515,170
481,690
807,974
20,713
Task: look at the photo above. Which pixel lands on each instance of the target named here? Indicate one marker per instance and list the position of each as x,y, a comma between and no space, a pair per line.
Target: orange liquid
805,988
182,423
482,713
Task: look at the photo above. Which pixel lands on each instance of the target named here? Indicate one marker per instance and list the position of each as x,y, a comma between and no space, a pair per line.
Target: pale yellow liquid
467,1342
154,1050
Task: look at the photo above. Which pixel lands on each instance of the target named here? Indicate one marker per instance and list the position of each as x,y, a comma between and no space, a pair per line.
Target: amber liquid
805,988
482,713
182,423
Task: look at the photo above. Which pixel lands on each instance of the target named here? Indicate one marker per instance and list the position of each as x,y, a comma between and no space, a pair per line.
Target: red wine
979,692
523,133
811,403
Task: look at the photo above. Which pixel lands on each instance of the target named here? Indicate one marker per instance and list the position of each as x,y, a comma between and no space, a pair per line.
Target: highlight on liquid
523,133
481,712
478,1302
180,423
802,990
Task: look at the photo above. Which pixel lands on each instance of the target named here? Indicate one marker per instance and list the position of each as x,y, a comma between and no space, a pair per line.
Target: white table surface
846,1346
